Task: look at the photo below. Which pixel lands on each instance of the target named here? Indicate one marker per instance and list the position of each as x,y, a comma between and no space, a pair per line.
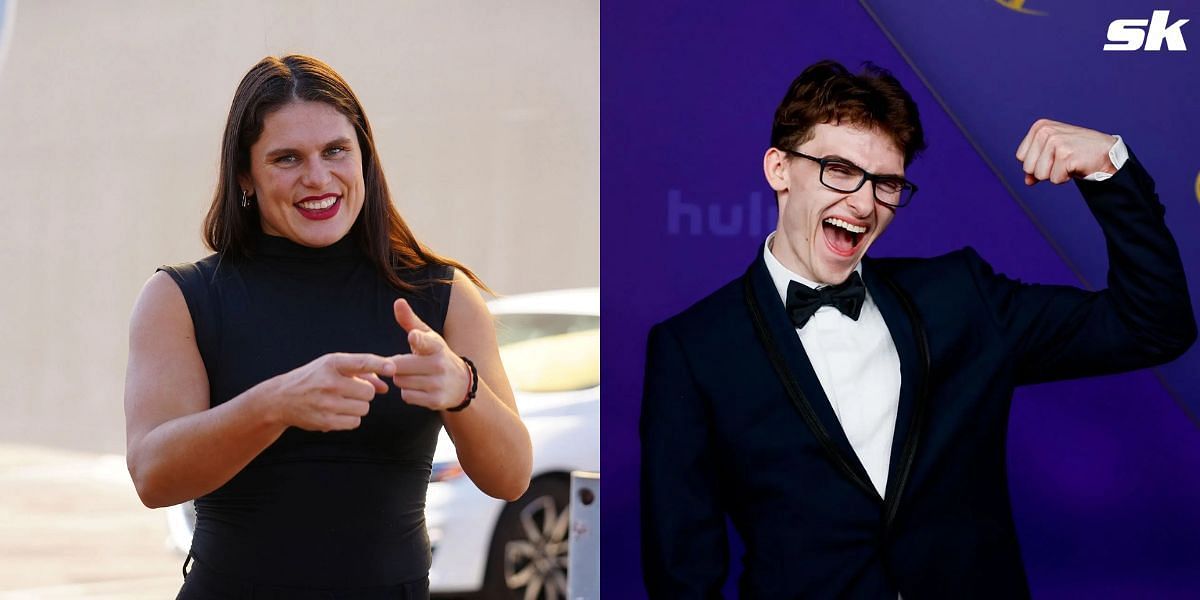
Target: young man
849,414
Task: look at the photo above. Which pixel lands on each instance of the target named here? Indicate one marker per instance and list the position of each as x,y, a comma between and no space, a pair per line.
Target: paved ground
71,526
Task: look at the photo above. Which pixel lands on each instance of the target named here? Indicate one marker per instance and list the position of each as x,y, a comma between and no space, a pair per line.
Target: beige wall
486,117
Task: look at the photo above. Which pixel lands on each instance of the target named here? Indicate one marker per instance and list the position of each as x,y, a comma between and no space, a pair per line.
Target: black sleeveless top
343,509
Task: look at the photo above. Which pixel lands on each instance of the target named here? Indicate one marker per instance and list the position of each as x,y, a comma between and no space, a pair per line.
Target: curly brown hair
826,92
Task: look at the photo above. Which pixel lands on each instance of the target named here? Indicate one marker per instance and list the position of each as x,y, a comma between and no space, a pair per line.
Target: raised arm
492,443
177,448
1143,318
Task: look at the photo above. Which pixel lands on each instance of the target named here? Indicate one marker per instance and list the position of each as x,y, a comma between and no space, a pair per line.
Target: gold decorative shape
1019,6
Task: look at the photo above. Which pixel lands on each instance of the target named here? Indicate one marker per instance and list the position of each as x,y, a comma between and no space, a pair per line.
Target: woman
257,376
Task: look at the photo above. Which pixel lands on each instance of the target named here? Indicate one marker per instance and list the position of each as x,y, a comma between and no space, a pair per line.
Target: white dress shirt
857,363
1117,155
858,367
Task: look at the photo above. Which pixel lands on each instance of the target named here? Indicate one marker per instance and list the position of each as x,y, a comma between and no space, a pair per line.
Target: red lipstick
322,213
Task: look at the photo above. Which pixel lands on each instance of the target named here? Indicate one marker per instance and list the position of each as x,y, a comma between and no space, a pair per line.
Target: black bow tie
803,301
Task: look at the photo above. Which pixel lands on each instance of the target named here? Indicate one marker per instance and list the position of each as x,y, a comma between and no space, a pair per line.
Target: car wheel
528,557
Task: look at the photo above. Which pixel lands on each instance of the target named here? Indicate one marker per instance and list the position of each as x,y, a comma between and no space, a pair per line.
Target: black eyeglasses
846,177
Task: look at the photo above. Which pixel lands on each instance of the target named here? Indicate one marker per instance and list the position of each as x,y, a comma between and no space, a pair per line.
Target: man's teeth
846,226
318,204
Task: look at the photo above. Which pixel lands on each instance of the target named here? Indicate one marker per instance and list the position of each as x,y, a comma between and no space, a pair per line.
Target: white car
550,345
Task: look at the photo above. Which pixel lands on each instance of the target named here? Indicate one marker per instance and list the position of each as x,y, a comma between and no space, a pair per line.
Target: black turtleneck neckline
282,247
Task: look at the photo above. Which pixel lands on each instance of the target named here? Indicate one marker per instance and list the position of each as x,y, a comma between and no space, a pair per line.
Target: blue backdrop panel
1012,67
1103,471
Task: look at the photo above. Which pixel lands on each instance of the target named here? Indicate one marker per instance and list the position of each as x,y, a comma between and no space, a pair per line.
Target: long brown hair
381,232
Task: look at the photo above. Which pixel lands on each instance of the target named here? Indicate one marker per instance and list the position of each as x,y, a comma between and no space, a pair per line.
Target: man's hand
1057,152
432,376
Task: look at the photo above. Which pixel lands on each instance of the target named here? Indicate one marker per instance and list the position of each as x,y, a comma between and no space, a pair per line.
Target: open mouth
843,237
320,208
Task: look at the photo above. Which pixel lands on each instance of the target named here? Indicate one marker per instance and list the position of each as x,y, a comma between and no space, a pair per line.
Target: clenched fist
1057,152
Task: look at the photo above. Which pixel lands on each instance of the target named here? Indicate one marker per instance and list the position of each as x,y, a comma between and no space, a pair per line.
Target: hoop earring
245,200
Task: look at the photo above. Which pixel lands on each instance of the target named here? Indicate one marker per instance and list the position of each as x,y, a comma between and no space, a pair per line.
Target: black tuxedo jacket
735,423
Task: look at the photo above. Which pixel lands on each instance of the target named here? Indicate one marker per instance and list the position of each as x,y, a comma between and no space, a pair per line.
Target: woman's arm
177,448
492,443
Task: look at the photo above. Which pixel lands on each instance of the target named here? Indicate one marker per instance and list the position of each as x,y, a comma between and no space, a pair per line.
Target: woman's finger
351,407
425,343
381,387
418,398
425,383
341,422
407,318
357,364
415,364
356,388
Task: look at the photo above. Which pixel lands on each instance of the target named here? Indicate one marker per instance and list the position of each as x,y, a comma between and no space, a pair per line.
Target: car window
554,363
518,327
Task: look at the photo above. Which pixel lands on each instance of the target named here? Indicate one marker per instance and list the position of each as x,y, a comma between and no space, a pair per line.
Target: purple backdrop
1104,472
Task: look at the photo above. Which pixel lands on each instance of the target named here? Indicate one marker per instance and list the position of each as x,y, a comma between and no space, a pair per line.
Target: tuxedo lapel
907,331
783,347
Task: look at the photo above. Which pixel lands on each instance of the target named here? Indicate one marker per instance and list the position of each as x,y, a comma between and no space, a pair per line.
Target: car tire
528,556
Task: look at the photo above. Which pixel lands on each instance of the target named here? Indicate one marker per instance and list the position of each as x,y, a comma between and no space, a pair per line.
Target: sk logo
1019,6
1130,34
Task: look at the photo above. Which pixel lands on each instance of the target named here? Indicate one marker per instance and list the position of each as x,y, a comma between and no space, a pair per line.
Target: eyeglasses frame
867,176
